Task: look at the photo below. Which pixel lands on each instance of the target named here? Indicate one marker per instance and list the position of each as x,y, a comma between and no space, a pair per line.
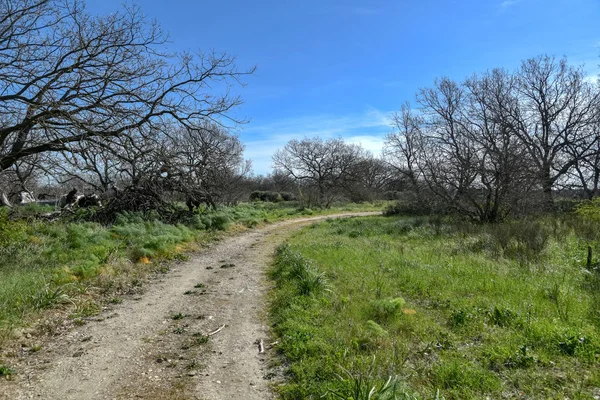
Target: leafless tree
484,146
450,160
67,77
208,163
403,148
279,182
322,168
371,179
23,176
584,177
555,118
505,171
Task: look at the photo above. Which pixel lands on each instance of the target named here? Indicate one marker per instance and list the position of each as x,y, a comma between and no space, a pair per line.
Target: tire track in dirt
156,346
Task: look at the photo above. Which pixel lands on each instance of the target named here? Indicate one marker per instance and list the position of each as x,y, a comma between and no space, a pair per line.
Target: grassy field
76,265
429,308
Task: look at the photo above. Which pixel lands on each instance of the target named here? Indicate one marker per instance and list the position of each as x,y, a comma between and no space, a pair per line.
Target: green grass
444,309
69,264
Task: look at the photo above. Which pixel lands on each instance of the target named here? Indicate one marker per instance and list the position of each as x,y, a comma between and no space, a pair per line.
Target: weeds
495,310
49,296
361,387
5,370
201,339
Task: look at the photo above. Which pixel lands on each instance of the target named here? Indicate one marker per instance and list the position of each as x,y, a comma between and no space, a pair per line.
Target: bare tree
323,169
208,163
372,178
67,76
403,148
584,177
279,182
557,110
505,170
482,147
449,165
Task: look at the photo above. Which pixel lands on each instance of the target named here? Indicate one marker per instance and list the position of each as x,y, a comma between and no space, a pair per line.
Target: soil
196,333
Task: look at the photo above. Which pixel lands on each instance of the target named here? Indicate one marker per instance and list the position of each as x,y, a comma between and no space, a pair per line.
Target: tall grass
453,309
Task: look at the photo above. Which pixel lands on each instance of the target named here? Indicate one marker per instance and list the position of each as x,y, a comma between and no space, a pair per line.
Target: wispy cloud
508,3
372,143
592,79
367,128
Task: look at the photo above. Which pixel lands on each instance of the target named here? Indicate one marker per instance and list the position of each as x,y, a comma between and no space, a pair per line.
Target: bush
287,196
384,309
409,205
269,196
589,210
217,222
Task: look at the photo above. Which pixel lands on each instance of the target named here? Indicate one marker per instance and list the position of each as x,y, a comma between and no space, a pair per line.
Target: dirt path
156,346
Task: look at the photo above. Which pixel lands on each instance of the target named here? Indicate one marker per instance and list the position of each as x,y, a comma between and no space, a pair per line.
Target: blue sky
339,68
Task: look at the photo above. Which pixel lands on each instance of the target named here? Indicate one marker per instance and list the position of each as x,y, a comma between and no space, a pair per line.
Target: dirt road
193,334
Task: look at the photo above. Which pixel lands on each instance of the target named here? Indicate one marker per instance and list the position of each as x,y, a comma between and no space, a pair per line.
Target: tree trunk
547,185
4,202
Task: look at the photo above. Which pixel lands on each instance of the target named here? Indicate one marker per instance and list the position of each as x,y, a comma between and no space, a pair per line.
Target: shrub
589,209
269,196
287,196
216,222
220,222
461,317
367,387
384,309
520,359
374,329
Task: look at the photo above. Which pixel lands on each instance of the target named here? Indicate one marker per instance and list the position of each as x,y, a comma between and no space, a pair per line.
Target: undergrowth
429,307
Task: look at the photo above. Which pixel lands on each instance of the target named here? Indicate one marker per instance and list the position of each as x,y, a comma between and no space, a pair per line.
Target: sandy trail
154,346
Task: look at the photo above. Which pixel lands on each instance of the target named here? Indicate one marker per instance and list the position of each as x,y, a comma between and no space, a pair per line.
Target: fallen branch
217,331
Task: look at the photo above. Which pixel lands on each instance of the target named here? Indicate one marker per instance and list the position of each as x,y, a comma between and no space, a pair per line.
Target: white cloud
368,128
592,79
508,3
374,144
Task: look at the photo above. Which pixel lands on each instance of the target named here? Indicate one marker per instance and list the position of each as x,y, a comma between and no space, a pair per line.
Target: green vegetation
74,263
429,307
5,371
